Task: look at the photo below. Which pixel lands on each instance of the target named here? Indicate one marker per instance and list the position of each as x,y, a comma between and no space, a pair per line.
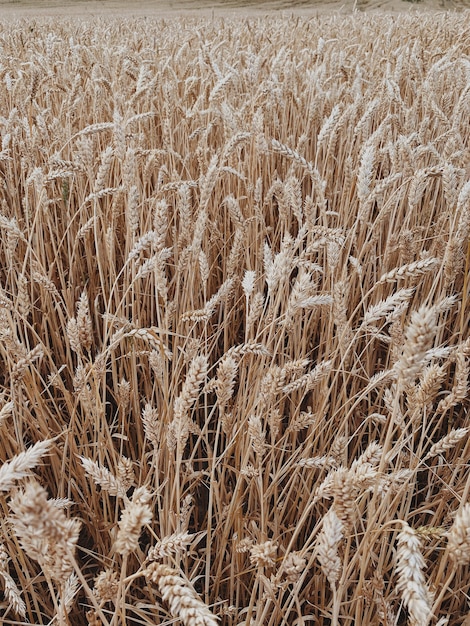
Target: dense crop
234,321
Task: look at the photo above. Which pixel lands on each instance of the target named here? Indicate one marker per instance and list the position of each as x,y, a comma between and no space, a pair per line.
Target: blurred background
90,7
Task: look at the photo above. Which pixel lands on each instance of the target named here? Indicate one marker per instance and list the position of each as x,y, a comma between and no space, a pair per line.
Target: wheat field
234,312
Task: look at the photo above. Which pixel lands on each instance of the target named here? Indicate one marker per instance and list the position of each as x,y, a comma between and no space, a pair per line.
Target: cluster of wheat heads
234,321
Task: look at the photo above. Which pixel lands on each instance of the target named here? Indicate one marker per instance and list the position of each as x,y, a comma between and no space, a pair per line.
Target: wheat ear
21,464
180,596
411,582
459,537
